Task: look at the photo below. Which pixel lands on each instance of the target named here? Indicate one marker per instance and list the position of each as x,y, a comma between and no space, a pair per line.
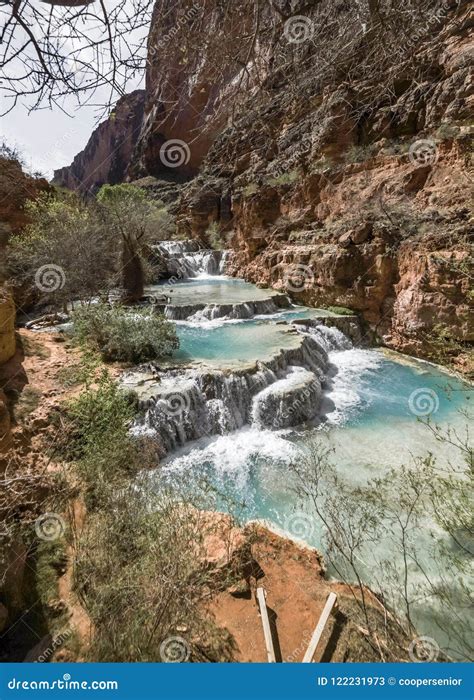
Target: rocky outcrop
7,350
107,155
242,310
16,188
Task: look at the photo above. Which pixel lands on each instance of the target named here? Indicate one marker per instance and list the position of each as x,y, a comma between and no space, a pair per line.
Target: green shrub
284,179
214,237
358,154
129,335
98,439
340,310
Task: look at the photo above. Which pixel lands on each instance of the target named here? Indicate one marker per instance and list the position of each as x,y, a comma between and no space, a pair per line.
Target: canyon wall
107,155
347,182
330,144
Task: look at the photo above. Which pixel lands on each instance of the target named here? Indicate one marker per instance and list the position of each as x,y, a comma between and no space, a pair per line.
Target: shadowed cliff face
107,155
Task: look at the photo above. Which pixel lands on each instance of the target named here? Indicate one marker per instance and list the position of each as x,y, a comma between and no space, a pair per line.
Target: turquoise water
211,290
371,430
243,341
373,413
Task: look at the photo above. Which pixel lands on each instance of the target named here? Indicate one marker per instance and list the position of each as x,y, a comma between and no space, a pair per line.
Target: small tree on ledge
134,220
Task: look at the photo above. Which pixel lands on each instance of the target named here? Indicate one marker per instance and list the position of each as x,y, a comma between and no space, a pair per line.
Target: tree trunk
132,274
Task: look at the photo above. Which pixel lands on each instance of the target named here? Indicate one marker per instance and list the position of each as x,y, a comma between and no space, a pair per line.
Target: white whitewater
188,259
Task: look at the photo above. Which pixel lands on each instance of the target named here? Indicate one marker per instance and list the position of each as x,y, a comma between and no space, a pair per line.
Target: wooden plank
267,633
308,657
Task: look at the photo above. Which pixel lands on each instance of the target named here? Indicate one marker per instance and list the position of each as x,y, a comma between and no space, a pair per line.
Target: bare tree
52,49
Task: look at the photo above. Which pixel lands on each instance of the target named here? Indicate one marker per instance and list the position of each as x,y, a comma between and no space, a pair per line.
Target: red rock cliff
107,155
338,150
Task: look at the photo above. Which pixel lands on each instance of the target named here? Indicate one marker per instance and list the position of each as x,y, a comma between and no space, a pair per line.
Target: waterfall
185,259
289,401
168,248
188,404
328,337
197,313
223,261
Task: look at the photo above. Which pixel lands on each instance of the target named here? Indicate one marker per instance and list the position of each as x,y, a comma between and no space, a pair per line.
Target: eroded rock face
107,155
325,193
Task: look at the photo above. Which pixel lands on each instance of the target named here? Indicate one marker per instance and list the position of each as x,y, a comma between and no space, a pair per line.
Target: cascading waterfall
189,404
245,403
330,338
197,313
187,259
293,399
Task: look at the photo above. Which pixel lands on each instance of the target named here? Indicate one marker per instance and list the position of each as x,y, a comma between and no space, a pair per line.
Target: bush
123,334
65,253
98,439
340,310
213,236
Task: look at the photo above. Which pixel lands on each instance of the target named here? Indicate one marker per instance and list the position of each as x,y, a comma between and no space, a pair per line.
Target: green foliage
133,215
81,373
358,154
448,131
373,532
284,179
98,439
121,195
65,253
136,221
121,334
340,310
214,237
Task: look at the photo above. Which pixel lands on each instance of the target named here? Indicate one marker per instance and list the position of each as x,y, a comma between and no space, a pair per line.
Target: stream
256,380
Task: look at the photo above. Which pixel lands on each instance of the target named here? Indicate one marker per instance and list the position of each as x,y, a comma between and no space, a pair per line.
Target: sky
49,138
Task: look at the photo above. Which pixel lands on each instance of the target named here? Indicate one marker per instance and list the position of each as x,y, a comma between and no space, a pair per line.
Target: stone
346,239
362,233
241,589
